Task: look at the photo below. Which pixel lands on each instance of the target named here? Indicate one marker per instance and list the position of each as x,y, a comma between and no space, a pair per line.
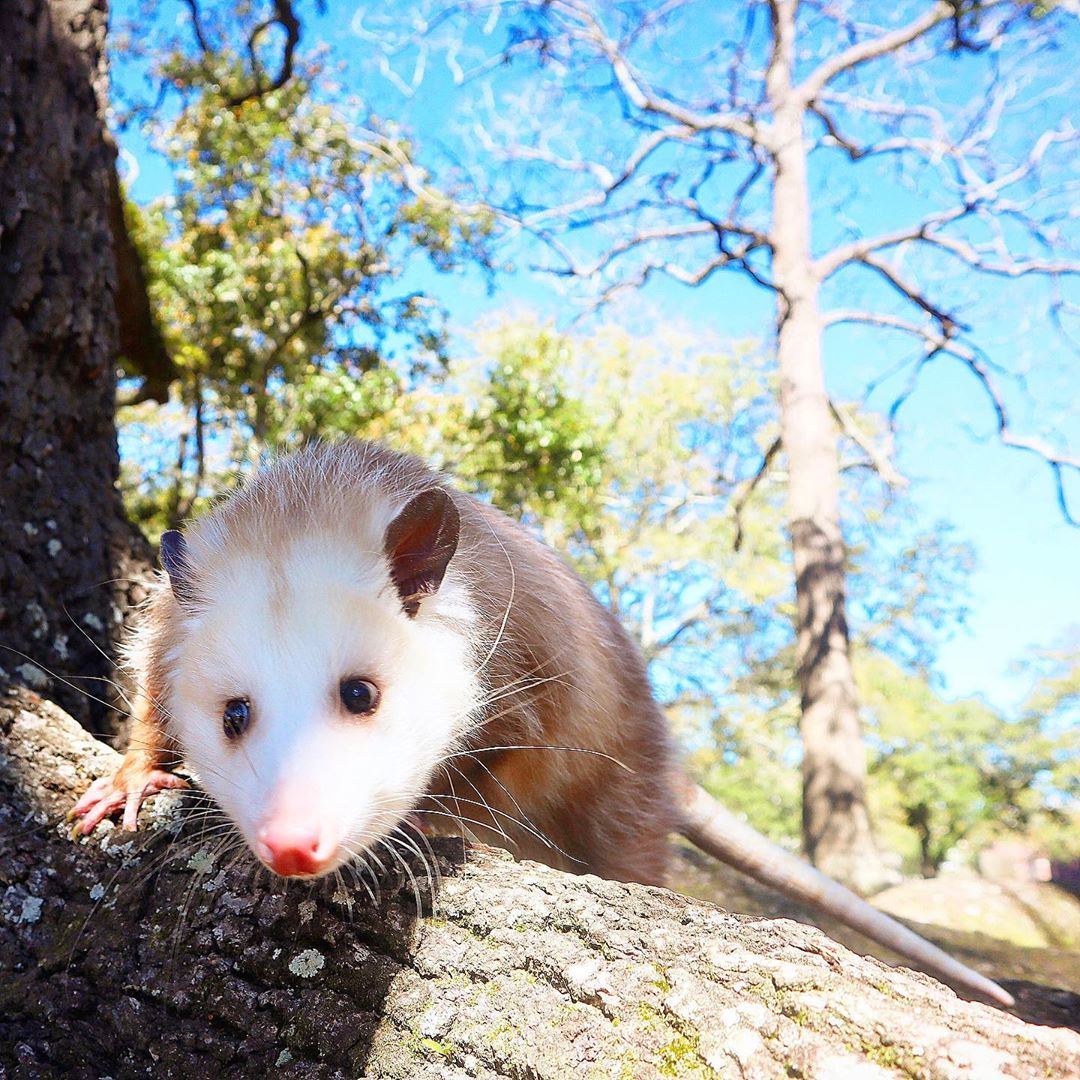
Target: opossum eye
359,696
236,717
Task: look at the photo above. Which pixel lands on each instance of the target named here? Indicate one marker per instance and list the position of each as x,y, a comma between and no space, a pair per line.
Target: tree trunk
63,538
836,824
918,820
157,955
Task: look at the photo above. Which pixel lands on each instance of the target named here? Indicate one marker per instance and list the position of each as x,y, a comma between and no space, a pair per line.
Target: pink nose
292,848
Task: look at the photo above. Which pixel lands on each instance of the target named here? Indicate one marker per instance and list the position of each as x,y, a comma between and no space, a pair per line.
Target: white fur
283,630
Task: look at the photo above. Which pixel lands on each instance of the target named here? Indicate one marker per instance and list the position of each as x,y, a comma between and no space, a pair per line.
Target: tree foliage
276,264
950,772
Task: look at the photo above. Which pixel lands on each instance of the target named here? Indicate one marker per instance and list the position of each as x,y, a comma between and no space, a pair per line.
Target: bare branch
853,150
949,325
931,149
645,99
859,250
741,495
611,182
675,232
285,17
981,197
653,647
679,273
196,26
1012,268
1058,463
938,344
874,48
878,461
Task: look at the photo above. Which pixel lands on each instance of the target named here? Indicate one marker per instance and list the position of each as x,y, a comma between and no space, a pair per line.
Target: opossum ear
174,559
419,544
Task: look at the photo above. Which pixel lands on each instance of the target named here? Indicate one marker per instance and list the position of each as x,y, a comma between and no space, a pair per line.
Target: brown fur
573,679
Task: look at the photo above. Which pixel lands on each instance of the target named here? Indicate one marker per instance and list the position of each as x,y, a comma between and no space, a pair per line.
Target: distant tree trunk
62,532
836,824
918,819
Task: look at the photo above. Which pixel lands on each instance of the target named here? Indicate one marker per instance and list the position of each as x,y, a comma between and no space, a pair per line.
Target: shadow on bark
170,950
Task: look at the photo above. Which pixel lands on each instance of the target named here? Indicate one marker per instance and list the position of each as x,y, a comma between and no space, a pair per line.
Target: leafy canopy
277,265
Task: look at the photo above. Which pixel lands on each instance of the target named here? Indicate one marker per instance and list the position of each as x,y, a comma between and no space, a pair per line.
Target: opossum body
347,641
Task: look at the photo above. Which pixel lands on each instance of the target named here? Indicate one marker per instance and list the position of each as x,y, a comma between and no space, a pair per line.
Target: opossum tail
717,831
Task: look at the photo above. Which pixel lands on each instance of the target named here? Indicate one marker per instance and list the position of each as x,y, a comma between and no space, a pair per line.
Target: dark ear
174,559
419,544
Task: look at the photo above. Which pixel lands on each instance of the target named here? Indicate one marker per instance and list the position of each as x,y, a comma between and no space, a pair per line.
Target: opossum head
321,672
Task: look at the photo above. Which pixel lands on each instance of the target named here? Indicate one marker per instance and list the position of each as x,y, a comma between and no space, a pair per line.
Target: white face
309,783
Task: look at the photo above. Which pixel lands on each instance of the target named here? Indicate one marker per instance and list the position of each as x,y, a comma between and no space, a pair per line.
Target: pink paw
125,789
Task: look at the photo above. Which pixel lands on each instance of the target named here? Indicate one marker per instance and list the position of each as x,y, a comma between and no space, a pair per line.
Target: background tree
1048,740
689,143
63,536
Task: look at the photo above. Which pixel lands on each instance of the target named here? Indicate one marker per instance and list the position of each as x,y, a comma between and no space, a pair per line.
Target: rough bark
63,538
149,956
837,836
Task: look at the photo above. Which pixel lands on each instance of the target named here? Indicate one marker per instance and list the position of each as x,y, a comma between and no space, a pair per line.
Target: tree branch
878,461
197,27
741,495
938,344
1009,267
874,48
160,953
285,17
949,325
643,98
142,346
676,232
979,197
611,182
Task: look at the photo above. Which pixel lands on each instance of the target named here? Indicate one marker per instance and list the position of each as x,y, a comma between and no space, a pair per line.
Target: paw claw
125,790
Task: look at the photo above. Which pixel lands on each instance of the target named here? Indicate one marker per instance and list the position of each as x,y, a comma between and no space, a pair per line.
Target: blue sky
1025,592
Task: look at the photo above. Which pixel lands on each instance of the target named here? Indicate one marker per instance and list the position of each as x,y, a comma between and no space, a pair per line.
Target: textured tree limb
148,955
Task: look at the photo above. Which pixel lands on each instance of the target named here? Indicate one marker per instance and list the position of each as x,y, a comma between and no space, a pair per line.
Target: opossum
348,642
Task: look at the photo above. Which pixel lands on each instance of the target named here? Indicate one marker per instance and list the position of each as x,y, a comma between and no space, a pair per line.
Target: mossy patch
680,1058
443,1049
